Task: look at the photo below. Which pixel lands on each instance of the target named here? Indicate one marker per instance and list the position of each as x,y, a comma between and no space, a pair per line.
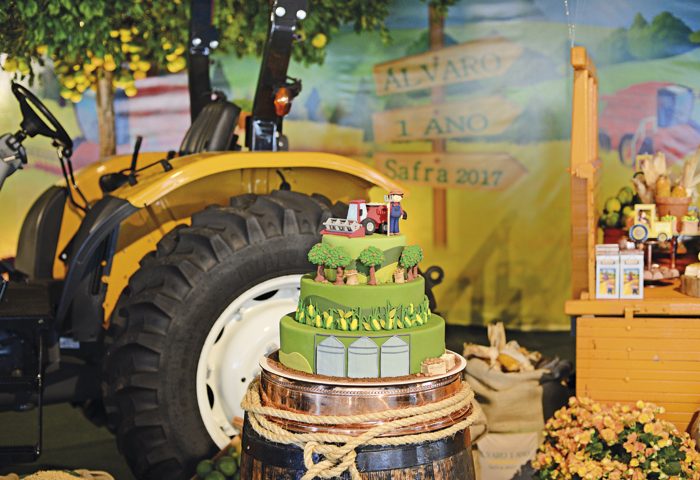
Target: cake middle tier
360,354
373,306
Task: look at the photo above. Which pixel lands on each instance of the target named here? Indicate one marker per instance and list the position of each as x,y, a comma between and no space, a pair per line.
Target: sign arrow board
470,171
485,58
478,117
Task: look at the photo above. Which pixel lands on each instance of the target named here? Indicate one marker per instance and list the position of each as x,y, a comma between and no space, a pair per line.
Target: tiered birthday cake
364,312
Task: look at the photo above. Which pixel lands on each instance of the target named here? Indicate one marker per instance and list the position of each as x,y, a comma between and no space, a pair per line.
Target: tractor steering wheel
33,123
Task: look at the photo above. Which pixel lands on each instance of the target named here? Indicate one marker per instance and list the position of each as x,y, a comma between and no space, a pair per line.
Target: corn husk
508,356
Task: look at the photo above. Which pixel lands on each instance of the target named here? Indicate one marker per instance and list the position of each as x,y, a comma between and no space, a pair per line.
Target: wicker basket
676,206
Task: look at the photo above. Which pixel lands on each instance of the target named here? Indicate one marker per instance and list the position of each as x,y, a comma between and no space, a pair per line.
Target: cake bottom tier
362,354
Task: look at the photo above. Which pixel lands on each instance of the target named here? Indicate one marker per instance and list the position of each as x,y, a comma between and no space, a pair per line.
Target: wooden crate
652,359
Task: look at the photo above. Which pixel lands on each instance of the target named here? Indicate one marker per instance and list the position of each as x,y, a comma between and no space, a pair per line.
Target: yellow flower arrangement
588,440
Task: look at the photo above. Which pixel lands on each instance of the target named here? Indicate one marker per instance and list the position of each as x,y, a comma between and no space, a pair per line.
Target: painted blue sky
607,13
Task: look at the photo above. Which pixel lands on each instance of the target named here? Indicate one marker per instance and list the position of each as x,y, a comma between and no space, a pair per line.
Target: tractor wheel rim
245,331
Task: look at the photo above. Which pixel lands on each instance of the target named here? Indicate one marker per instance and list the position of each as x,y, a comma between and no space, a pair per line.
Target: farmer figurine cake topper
395,211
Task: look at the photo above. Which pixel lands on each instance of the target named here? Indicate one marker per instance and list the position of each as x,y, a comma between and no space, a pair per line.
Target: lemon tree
99,45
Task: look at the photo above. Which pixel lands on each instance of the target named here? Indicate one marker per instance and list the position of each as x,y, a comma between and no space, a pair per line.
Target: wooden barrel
446,459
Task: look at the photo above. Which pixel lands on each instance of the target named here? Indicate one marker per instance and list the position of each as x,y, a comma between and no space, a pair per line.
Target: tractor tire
624,150
370,226
169,308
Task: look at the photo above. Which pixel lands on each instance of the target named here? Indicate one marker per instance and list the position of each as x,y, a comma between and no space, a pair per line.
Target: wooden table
649,349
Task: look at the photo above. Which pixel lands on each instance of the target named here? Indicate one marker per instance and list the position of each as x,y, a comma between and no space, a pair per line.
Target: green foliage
318,255
371,256
140,37
337,257
665,36
614,48
411,256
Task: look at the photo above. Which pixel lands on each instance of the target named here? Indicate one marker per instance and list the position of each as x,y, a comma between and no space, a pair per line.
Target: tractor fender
91,252
97,269
190,168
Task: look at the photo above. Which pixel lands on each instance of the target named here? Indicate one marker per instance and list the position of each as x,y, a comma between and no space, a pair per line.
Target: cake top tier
366,246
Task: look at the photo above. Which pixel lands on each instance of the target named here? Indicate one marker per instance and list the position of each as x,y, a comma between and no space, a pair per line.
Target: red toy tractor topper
363,219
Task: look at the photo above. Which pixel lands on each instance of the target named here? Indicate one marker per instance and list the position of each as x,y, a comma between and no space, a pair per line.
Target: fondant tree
338,258
410,257
318,255
371,257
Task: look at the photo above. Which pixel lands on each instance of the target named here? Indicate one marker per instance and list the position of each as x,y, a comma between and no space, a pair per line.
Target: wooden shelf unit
626,350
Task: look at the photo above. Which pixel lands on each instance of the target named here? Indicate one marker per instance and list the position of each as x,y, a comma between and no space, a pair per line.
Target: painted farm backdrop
483,123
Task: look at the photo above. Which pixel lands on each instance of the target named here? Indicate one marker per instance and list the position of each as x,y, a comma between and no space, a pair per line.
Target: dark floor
72,441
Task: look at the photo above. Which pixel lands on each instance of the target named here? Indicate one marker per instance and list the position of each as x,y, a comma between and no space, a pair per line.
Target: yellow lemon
130,91
10,64
75,97
114,33
177,65
139,75
319,40
167,46
110,66
144,66
42,49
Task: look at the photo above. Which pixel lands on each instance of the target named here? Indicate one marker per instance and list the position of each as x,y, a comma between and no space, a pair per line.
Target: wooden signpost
469,61
478,117
469,171
456,64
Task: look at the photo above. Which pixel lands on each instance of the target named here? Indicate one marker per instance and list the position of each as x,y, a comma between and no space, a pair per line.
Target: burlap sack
512,402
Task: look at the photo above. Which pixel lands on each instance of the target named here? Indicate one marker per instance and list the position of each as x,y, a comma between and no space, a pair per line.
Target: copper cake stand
299,392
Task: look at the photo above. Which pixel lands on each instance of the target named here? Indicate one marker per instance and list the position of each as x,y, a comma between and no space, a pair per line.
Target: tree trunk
105,113
409,272
339,276
415,271
372,278
320,277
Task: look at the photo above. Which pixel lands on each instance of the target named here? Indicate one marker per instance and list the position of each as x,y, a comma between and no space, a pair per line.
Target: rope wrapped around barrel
338,451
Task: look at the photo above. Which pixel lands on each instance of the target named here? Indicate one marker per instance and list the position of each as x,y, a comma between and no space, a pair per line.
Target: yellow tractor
154,282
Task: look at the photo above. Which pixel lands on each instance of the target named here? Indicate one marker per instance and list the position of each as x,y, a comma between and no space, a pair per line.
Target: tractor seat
212,130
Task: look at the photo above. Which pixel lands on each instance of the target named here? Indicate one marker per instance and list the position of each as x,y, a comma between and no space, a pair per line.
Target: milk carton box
607,271
631,274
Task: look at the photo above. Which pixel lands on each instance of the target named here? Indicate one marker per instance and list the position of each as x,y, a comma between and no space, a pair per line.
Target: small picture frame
644,214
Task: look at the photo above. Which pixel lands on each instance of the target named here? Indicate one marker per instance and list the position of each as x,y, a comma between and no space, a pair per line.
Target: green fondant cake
363,313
